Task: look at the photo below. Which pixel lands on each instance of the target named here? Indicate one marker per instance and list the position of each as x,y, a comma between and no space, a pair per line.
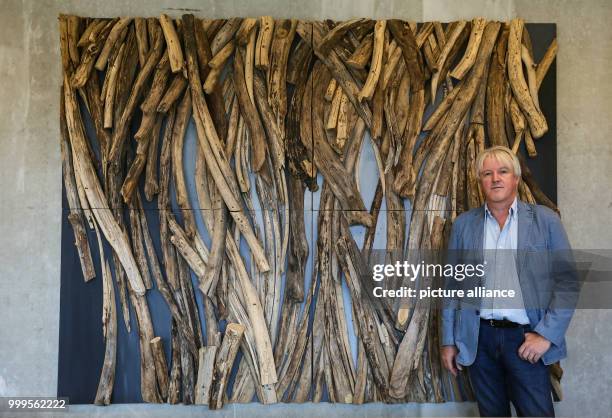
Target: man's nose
495,177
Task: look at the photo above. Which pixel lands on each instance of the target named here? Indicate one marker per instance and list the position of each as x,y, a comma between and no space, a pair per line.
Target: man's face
498,182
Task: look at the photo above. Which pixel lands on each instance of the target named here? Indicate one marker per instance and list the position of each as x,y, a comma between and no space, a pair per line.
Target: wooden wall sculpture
279,101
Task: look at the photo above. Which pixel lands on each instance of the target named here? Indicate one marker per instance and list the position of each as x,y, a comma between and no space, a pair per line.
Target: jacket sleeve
449,305
566,286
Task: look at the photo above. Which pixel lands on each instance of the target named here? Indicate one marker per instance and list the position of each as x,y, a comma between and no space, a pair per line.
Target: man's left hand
533,347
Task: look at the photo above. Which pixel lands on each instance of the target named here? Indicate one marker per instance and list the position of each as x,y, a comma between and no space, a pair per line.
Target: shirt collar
511,211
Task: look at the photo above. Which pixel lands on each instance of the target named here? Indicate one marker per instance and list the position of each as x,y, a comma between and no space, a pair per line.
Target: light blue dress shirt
500,268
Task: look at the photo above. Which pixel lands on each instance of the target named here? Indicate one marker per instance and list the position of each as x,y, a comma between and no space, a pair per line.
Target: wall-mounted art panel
227,182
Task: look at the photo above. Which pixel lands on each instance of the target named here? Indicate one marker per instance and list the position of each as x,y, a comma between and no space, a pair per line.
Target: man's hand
533,347
449,359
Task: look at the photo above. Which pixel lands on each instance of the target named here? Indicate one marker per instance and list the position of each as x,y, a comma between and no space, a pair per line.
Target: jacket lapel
525,222
478,233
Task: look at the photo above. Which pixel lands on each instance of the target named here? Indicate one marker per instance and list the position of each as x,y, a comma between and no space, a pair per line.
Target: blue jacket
547,276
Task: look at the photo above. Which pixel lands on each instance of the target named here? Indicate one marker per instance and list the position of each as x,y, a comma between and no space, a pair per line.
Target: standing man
507,344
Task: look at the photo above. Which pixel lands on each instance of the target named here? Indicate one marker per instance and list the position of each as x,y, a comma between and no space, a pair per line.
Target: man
508,344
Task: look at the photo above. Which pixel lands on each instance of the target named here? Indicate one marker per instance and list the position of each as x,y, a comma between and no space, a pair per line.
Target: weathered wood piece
161,367
478,25
537,121
223,364
175,53
206,368
215,155
85,172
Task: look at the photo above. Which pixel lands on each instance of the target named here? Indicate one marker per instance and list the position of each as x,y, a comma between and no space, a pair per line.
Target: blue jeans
499,376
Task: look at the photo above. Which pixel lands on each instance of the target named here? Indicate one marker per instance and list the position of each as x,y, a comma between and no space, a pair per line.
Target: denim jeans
499,376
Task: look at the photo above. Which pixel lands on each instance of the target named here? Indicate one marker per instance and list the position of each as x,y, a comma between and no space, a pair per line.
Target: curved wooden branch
537,122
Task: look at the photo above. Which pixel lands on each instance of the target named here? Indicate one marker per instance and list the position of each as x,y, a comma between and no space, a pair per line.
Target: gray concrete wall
30,177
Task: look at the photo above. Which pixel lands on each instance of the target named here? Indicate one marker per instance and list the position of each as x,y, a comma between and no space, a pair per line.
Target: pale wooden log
191,311
112,37
222,56
109,98
131,179
174,386
183,113
405,176
284,32
298,253
537,121
175,53
142,39
243,34
478,25
378,103
161,283
342,184
151,185
73,29
342,127
109,326
442,108
444,55
423,34
161,367
531,75
67,64
75,217
90,33
365,318
275,136
121,130
360,58
392,65
149,104
250,115
331,90
216,229
223,364
138,246
376,64
414,62
93,190
225,34
312,34
215,98
544,64
163,202
496,91
181,242
206,366
332,117
530,145
148,379
333,36
172,94
264,41
212,79
88,57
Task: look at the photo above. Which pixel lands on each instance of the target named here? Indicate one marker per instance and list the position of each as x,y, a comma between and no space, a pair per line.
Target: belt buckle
492,322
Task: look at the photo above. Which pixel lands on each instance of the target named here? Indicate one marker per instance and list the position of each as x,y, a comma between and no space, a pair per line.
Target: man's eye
504,171
486,174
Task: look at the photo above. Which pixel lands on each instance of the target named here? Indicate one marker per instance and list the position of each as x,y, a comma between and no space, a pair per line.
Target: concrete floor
30,179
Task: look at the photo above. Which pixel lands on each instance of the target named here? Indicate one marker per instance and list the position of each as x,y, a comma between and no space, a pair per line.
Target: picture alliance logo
412,271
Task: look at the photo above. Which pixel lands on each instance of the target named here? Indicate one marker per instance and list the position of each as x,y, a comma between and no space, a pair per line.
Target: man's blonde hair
501,154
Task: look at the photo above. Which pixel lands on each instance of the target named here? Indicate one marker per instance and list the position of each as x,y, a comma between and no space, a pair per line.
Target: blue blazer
547,276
